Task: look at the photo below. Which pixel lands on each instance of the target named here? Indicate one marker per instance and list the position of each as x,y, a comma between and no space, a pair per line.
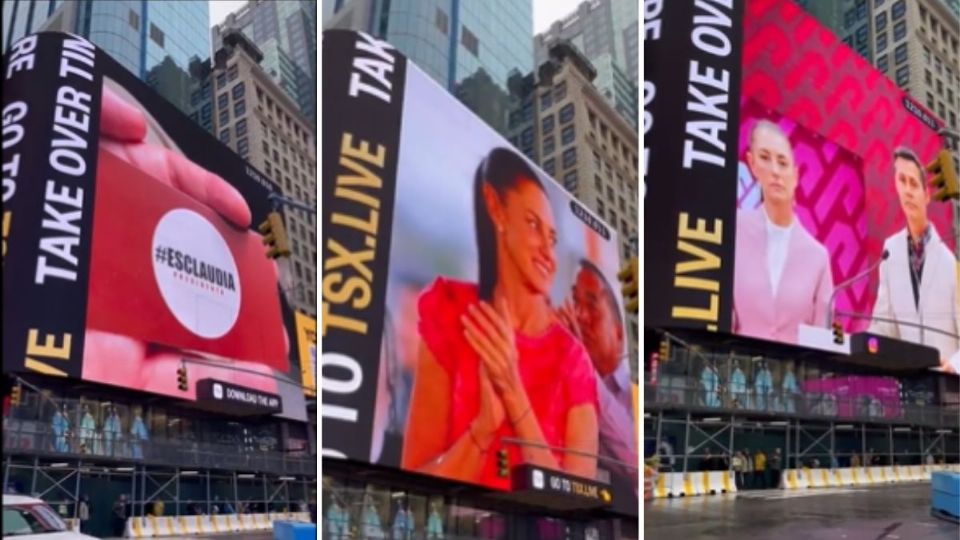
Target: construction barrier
150,526
857,476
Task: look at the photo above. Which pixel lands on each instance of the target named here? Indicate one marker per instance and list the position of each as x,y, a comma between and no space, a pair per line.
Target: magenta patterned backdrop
830,202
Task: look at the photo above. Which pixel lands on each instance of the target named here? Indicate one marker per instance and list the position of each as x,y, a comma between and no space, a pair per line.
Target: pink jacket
805,285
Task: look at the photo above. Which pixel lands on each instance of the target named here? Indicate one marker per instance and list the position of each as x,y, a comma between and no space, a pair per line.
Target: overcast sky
544,11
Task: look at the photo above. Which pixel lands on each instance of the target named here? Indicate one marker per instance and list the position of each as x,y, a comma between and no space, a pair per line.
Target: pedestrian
119,515
776,465
83,514
748,479
760,469
738,470
434,523
855,460
706,464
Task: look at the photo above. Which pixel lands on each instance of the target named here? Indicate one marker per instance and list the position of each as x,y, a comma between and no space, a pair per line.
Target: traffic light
630,286
944,177
664,350
15,395
275,236
837,333
503,463
182,383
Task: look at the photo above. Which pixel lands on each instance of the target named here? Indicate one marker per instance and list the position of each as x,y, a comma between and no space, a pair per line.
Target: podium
866,349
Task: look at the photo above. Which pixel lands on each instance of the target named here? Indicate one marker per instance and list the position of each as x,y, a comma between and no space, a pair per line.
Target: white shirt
778,239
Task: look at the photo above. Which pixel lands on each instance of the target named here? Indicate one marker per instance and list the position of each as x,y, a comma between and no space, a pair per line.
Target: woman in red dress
494,361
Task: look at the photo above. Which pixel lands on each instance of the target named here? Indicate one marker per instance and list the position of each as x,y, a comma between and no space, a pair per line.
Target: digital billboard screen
129,248
788,176
482,311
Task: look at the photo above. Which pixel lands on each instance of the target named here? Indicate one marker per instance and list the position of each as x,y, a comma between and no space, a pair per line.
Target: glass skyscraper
285,31
155,40
471,48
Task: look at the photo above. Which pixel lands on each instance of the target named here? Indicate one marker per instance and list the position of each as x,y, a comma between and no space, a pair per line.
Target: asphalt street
893,512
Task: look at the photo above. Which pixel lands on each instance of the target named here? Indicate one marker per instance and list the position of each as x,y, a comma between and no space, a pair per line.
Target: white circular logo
196,273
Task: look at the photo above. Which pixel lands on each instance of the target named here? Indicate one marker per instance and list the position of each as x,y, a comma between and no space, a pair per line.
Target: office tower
471,48
258,120
285,31
156,40
606,33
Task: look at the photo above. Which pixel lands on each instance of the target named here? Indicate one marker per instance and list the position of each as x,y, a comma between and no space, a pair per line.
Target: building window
881,21
470,41
527,111
939,87
939,65
546,125
570,180
548,145
953,119
898,9
849,17
134,19
224,117
928,77
597,183
926,55
546,100
156,35
238,90
206,111
526,138
862,35
222,101
442,21
882,64
239,108
566,113
900,30
232,72
878,3
550,166
882,42
241,127
903,75
266,148
622,203
569,157
560,91
901,53
566,136
243,147
225,135
941,110
929,101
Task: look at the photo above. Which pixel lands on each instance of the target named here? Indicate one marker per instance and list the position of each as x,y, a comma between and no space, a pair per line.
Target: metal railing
802,404
33,438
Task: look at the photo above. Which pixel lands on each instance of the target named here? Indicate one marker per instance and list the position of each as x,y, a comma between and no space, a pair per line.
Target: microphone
846,284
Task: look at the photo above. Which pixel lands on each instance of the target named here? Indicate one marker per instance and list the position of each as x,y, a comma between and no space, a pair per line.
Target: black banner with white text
51,94
362,105
692,57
